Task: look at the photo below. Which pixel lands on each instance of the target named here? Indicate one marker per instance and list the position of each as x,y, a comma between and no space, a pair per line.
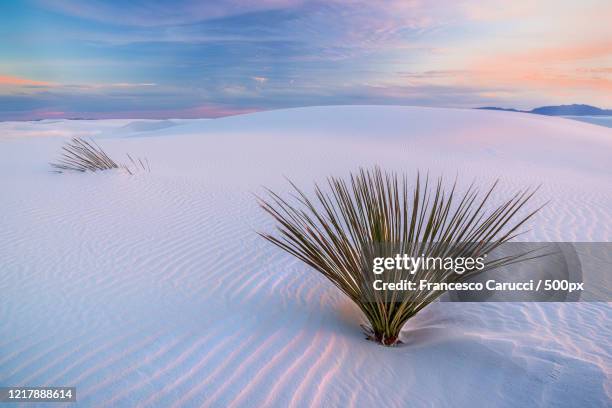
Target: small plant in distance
81,155
337,230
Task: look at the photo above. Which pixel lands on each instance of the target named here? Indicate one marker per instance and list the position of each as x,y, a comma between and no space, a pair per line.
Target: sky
186,58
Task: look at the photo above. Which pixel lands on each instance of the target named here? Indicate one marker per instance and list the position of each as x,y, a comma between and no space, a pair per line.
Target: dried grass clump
82,155
336,231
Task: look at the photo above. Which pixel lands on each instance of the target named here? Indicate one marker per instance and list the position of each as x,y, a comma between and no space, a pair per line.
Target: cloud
573,66
120,85
497,10
152,13
129,85
209,58
119,102
17,81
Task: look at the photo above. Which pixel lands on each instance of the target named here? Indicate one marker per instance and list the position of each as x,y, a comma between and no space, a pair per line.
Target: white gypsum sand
154,290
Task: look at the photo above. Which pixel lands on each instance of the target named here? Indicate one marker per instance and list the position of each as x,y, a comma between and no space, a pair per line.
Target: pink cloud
17,81
558,67
259,79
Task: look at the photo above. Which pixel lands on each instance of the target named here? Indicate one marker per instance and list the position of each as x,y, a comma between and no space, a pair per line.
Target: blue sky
104,59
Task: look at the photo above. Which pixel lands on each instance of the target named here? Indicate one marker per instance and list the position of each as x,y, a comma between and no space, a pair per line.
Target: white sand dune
154,290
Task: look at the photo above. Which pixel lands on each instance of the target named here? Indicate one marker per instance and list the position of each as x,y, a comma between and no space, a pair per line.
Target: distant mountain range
561,110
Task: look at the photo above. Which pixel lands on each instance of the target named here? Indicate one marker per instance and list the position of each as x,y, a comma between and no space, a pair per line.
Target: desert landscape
154,289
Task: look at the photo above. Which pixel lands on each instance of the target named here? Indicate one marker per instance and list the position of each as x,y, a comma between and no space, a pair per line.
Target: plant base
381,338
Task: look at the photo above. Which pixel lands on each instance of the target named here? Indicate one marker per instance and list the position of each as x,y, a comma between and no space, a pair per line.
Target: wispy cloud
112,85
17,81
163,13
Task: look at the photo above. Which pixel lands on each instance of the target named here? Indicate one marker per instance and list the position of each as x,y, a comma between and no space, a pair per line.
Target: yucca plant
339,230
82,155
